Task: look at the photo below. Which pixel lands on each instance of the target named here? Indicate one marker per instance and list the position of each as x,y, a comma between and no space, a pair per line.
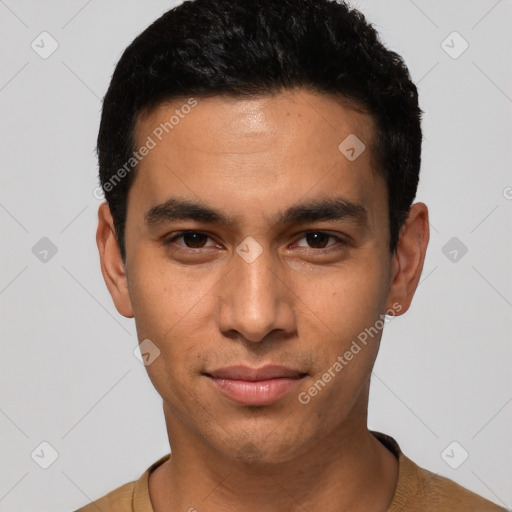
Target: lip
255,386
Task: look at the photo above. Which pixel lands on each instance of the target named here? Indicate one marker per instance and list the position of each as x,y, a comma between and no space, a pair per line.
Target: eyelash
189,250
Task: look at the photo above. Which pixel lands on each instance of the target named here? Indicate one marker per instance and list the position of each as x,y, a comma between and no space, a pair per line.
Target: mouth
255,386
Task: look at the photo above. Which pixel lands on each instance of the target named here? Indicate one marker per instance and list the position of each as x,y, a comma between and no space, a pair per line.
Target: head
285,139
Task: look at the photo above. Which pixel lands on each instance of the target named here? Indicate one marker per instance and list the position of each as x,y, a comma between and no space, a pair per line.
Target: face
285,261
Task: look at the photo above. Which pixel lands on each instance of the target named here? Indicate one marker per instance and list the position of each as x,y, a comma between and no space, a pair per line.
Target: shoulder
128,497
419,490
118,500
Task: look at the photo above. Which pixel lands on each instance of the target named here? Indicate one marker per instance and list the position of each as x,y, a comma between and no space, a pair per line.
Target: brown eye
317,239
191,239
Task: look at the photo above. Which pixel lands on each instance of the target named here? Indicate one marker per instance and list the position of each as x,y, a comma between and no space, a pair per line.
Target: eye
195,240
319,240
191,239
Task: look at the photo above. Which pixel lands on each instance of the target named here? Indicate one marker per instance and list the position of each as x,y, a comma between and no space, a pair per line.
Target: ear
407,261
112,265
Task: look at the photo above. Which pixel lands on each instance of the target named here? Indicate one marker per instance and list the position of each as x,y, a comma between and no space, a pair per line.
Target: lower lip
261,392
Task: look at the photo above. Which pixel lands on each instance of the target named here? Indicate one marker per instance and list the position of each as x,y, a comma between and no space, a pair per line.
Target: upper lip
255,374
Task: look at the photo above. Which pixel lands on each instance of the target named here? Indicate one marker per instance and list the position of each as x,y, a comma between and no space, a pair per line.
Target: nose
255,300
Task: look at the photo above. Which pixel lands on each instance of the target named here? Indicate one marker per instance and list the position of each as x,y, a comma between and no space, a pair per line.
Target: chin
262,449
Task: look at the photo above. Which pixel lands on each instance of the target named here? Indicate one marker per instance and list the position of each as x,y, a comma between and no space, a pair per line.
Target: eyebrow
321,209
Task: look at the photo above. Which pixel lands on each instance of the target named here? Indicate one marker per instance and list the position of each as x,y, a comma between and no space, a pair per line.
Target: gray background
67,369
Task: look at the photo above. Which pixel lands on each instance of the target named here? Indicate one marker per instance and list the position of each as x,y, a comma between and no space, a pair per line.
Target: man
260,160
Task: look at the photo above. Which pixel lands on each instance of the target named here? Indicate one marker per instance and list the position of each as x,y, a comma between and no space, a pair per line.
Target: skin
299,304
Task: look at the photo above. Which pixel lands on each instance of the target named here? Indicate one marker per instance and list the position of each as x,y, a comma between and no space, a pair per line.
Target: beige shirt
418,490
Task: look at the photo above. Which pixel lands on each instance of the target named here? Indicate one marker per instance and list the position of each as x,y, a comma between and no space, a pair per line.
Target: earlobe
112,265
409,257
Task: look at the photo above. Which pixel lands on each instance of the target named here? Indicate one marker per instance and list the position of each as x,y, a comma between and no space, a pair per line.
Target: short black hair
238,48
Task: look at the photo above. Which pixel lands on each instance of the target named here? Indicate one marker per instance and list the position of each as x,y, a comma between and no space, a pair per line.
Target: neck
347,470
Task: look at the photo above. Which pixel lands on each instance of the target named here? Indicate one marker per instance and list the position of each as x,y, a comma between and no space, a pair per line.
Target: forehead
259,151
241,125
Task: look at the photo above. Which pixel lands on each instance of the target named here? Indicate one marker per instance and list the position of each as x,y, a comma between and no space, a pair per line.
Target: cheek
164,297
173,309
347,299
345,329
345,346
